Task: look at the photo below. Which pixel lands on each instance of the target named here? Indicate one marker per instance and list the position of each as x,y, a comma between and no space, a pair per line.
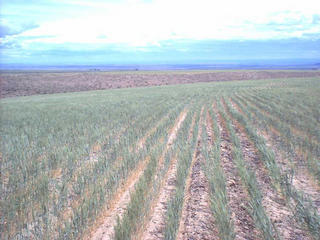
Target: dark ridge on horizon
155,67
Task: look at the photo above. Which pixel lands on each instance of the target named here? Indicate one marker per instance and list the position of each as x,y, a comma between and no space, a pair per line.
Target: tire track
196,220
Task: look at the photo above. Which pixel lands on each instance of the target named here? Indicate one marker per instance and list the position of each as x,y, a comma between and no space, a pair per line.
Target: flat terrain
32,83
214,160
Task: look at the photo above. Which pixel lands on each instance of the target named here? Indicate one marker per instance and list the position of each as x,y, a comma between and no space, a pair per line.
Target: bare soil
14,84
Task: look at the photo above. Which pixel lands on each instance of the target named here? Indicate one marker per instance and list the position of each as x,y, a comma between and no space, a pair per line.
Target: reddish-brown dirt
31,83
197,221
236,194
272,201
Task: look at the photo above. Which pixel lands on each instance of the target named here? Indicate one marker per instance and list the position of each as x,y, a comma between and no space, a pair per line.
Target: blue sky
157,31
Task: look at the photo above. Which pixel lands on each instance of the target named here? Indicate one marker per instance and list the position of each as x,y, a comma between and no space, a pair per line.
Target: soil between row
197,220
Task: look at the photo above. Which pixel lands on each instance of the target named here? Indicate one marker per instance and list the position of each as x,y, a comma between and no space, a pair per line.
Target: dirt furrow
272,201
237,196
156,224
192,126
175,129
143,140
197,221
293,128
157,209
209,125
173,134
235,106
118,205
302,180
122,198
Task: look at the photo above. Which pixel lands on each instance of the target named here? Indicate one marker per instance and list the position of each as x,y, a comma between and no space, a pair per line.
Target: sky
157,31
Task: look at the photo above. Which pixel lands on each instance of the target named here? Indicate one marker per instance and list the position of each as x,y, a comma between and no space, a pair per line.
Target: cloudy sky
157,31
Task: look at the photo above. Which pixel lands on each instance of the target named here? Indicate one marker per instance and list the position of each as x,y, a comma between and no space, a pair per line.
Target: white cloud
139,23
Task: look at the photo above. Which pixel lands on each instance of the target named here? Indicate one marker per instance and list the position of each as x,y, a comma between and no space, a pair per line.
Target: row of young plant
44,136
288,141
139,199
216,178
300,204
45,142
63,135
287,113
112,174
288,137
111,155
299,106
303,98
248,178
146,192
308,144
43,197
26,189
185,150
119,151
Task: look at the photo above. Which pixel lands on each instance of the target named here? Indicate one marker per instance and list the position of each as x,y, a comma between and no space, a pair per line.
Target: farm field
214,160
19,83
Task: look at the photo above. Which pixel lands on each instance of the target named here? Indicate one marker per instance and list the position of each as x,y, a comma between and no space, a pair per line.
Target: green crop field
220,160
